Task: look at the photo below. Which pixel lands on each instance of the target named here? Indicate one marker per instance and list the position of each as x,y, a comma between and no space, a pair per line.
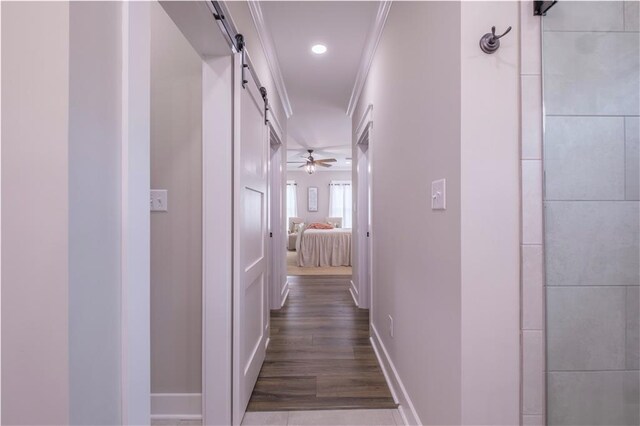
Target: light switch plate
158,202
438,195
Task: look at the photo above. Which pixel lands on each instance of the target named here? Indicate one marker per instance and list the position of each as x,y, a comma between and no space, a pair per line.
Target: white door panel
250,316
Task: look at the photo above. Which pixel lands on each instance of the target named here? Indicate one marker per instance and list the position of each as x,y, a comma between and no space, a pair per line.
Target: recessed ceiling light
319,49
348,161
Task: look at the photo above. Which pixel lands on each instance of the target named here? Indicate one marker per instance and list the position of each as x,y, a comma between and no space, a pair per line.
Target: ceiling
319,86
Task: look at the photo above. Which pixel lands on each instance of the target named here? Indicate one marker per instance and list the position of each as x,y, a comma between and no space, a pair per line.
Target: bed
324,247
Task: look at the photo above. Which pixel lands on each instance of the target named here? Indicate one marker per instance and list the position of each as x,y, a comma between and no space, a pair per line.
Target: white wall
94,212
35,203
176,235
450,279
67,122
320,180
490,217
415,92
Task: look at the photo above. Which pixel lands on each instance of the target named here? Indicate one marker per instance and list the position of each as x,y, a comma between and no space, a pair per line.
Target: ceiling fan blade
327,160
322,164
304,165
296,162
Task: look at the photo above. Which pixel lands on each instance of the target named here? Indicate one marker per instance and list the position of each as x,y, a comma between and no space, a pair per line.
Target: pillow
335,221
294,227
320,226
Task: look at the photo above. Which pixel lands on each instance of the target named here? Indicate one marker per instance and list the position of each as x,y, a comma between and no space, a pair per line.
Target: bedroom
319,212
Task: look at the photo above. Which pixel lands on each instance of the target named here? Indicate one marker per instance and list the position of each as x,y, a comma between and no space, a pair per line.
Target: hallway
320,356
329,213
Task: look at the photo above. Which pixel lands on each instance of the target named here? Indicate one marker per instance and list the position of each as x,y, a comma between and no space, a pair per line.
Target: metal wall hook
490,42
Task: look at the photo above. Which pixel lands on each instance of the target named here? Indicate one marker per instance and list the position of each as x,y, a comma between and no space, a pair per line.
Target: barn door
250,294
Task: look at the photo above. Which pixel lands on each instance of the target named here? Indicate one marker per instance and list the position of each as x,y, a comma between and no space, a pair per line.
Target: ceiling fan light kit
310,168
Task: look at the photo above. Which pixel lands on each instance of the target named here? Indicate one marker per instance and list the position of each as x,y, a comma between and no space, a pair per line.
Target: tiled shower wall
591,90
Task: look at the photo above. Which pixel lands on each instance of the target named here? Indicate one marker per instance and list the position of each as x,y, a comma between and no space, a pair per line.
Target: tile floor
310,418
176,422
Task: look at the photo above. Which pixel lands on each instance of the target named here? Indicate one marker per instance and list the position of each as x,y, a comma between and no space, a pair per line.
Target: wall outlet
158,201
390,326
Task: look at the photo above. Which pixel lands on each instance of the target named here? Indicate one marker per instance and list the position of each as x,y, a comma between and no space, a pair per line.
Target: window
292,200
340,194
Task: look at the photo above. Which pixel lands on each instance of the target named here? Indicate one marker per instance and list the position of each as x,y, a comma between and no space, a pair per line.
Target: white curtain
340,196
292,200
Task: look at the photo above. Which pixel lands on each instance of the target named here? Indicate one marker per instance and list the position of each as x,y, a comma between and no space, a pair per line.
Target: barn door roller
237,44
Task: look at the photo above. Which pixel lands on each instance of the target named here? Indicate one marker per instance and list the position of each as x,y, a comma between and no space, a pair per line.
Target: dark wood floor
320,356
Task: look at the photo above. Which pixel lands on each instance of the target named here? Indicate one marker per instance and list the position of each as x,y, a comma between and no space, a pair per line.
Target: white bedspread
324,247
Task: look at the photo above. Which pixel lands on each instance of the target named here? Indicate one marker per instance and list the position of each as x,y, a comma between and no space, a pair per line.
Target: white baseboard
176,406
398,391
284,294
354,293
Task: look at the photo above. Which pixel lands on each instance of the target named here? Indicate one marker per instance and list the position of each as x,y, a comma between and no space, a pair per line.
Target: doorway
319,212
363,249
176,217
191,233
277,233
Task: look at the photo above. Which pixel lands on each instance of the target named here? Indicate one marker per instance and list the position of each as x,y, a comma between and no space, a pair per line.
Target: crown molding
270,52
373,38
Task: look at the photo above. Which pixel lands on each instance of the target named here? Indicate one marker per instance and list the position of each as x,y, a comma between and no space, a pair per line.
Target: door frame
363,287
278,285
135,159
217,238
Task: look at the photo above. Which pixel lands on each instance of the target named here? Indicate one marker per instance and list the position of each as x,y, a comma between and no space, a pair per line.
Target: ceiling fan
310,163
